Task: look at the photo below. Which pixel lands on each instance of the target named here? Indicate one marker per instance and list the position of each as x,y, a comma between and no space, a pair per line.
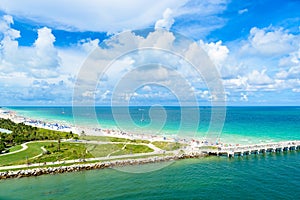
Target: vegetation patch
15,148
23,157
133,149
168,146
103,150
62,151
209,147
112,139
22,133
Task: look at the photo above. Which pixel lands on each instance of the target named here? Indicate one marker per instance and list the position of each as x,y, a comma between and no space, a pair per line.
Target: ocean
241,125
270,176
263,176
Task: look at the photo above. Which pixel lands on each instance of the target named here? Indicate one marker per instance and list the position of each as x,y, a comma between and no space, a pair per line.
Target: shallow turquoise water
270,176
242,124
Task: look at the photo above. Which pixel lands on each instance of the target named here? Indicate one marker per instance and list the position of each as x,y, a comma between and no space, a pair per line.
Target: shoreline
82,166
89,131
38,171
192,150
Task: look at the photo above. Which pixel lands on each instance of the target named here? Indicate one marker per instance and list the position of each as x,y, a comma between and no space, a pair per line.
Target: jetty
242,150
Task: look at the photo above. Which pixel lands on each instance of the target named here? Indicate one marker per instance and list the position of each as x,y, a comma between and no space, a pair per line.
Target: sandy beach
8,114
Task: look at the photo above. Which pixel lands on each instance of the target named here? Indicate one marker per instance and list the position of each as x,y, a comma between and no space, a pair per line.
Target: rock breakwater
89,166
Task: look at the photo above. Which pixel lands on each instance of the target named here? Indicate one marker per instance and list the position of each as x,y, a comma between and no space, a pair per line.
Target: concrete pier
242,150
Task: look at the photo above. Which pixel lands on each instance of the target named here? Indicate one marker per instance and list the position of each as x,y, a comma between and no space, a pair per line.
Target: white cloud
41,70
40,60
270,41
216,51
296,89
93,15
259,78
88,44
135,69
244,97
46,56
8,45
167,21
198,18
243,11
146,88
291,60
291,73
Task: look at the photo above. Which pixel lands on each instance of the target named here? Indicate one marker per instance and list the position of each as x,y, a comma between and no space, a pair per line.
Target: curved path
156,151
86,160
150,145
24,147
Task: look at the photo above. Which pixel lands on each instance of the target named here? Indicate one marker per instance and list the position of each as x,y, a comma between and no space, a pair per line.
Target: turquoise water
270,176
242,124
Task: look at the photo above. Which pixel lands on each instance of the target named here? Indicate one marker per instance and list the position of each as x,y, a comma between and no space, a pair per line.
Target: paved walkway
156,150
81,160
24,147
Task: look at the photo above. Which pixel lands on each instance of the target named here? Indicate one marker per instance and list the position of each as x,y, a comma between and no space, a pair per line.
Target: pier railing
241,150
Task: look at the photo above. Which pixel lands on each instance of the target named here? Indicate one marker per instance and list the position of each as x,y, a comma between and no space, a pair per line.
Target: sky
254,47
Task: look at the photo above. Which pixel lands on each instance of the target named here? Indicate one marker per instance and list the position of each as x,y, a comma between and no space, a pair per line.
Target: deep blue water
270,176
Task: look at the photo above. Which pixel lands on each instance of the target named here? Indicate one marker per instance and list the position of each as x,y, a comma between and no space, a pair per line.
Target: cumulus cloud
40,60
167,21
244,70
259,78
88,44
31,64
8,45
148,59
216,51
292,59
46,56
270,41
291,73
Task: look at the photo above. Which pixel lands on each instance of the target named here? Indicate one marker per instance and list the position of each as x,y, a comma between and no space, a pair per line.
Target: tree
2,146
82,133
58,143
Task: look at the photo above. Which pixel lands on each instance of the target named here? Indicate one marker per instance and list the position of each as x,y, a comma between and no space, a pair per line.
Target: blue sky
254,45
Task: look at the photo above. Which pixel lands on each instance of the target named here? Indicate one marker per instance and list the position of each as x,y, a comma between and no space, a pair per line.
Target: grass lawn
132,149
98,161
33,149
111,139
102,150
15,148
168,146
68,151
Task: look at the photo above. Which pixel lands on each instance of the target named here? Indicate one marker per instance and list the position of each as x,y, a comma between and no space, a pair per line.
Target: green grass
111,139
102,150
209,147
168,146
132,149
33,149
15,148
68,151
87,162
